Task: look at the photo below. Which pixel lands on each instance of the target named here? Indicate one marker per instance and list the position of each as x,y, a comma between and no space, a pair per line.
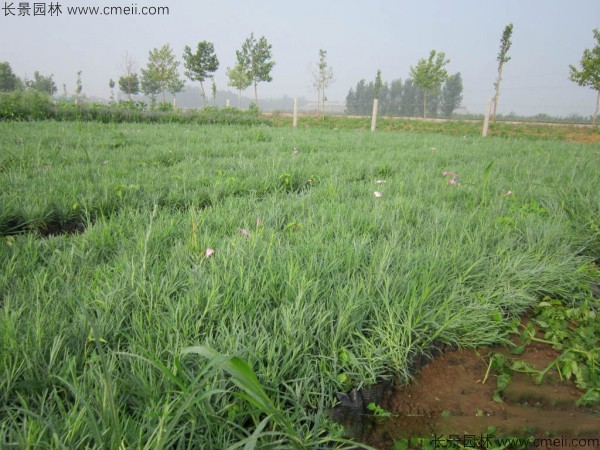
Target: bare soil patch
449,398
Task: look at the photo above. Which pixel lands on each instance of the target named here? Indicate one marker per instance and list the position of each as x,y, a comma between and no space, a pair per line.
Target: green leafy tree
161,68
201,64
255,58
239,79
505,44
429,74
149,86
322,79
42,83
589,74
451,95
129,85
8,80
175,86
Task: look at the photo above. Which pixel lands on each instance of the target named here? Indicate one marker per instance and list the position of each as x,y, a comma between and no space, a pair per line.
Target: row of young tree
405,98
428,89
161,74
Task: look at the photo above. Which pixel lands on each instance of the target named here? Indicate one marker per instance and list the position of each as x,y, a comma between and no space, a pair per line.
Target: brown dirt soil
449,397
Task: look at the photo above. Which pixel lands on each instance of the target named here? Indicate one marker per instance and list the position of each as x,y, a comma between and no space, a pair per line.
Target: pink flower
377,194
209,252
445,174
244,232
452,181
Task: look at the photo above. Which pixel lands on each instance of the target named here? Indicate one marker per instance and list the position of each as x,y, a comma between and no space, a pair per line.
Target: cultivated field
110,306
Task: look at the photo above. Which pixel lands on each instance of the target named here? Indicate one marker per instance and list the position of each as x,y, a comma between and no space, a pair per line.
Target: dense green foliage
160,74
33,105
589,74
201,64
255,60
315,282
405,99
8,80
429,75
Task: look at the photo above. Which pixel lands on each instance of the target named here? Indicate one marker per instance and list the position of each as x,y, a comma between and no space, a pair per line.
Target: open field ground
470,128
341,258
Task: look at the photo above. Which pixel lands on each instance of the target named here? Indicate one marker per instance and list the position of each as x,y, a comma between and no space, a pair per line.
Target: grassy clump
103,334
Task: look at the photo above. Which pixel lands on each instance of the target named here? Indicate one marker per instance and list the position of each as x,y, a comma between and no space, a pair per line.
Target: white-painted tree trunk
374,116
295,121
486,120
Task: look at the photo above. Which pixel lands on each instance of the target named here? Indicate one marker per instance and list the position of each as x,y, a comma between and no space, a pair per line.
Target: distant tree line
405,99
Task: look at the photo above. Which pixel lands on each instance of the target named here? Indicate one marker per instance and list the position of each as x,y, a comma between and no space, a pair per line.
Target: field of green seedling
184,286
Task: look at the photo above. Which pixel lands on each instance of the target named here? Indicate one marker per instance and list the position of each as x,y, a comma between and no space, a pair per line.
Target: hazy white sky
359,36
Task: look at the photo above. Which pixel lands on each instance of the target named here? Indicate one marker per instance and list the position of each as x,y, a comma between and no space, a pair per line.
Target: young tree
214,92
200,65
162,68
149,86
8,80
238,78
505,44
255,58
111,85
451,95
429,74
589,75
322,80
175,86
78,87
130,85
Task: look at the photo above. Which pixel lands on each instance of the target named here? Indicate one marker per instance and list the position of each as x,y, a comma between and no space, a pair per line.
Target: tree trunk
497,93
203,93
318,101
597,108
239,99
255,94
424,104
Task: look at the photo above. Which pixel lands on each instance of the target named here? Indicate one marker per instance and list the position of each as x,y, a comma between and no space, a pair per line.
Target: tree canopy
589,73
238,79
201,64
8,80
129,84
255,59
42,83
429,74
405,98
505,44
161,70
